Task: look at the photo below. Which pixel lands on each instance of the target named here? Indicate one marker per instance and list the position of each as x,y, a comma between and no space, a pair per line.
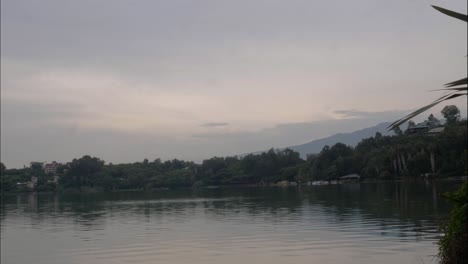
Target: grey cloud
215,124
47,142
289,134
353,113
205,42
16,113
201,46
117,32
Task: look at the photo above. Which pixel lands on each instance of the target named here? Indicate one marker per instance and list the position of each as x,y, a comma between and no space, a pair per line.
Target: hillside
351,139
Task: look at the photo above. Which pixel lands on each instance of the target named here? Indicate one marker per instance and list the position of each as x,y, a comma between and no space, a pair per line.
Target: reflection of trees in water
400,200
412,208
91,211
408,210
388,205
271,204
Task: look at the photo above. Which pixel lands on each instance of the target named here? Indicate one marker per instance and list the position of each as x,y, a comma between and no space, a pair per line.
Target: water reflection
361,220
414,201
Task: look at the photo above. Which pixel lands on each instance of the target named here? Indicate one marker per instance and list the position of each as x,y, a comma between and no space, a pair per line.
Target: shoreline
90,190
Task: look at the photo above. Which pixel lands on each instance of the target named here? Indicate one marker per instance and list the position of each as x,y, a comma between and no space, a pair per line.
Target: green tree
431,118
451,114
455,89
81,170
397,130
452,247
36,166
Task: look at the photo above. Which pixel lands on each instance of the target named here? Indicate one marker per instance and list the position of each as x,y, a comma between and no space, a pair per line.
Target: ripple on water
305,227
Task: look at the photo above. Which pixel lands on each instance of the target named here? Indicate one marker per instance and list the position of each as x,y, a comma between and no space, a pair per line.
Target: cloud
215,124
116,72
353,113
286,134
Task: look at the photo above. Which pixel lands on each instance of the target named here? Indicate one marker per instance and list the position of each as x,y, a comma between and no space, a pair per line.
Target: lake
393,222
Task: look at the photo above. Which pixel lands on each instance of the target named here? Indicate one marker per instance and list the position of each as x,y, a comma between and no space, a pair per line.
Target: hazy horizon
125,80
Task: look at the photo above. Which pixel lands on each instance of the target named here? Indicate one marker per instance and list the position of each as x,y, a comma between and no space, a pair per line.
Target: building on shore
430,126
51,168
350,178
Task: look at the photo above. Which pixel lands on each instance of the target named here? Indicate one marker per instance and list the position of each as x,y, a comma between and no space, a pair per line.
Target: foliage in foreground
452,247
453,89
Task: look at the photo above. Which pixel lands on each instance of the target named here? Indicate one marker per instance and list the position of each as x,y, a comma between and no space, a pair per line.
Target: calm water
355,223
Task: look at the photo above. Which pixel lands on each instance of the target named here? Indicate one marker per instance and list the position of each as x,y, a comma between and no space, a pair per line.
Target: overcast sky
126,80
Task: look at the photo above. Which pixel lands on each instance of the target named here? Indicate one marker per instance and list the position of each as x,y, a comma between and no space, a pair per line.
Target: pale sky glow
126,80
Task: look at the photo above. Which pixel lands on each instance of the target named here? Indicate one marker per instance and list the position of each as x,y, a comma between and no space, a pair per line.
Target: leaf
413,114
423,109
451,13
453,89
458,82
445,96
454,96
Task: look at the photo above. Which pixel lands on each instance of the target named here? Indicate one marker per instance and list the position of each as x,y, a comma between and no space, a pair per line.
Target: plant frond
451,13
424,108
458,82
460,89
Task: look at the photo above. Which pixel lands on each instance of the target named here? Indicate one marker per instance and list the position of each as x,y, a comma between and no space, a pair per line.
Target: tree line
378,157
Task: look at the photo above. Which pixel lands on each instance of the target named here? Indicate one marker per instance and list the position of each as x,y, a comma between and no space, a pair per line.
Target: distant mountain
351,139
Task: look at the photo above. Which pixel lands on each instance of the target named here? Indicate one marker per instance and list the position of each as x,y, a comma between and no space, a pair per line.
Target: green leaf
451,13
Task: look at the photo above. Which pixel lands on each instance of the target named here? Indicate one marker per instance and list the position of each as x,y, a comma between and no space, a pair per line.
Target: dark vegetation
452,247
379,157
